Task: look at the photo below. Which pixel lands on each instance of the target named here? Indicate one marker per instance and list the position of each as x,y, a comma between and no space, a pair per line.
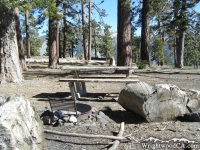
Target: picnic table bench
77,83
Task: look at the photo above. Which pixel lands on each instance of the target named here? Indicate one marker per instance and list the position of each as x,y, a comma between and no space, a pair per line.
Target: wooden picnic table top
77,68
97,80
107,76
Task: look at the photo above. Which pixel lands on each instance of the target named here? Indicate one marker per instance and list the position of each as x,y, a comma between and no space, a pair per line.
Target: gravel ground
41,82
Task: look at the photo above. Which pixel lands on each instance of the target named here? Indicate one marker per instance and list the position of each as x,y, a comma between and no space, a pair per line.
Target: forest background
169,31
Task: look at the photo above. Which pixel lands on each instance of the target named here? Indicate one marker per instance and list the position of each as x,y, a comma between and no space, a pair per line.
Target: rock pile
96,117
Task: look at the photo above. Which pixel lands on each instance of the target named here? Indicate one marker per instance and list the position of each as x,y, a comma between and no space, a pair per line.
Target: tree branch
89,136
116,142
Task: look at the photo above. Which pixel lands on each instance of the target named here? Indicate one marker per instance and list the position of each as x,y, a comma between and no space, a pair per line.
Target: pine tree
107,49
124,55
96,37
145,32
35,41
136,48
179,25
158,50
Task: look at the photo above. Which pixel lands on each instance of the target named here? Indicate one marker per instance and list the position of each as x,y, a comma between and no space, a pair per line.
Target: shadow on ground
124,116
44,96
92,97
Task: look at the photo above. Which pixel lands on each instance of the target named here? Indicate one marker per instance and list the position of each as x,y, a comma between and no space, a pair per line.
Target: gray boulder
133,96
20,127
166,103
163,102
193,99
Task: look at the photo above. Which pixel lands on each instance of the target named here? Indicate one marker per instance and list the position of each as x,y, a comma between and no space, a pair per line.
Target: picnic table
77,83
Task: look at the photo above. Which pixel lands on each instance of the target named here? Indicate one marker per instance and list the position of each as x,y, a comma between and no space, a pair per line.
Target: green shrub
142,64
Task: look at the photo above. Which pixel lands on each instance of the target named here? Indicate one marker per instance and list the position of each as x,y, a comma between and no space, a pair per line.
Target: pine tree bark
90,31
180,50
58,41
85,39
176,40
182,28
10,70
145,31
53,33
53,57
20,40
124,54
27,35
64,31
95,45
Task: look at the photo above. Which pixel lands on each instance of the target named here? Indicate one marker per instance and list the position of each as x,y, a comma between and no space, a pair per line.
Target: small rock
79,123
93,128
115,98
104,116
87,122
66,118
58,114
68,124
102,121
72,118
100,97
94,110
93,119
198,129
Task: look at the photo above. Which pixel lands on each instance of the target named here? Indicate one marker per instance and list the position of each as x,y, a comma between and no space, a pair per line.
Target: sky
111,9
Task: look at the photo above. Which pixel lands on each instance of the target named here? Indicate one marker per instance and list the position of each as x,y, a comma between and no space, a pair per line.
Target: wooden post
74,94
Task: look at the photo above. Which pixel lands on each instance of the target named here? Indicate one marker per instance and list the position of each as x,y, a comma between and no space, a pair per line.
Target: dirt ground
41,82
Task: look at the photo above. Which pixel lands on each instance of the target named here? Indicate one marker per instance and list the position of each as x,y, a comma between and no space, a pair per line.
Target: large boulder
193,99
133,96
166,103
20,127
163,102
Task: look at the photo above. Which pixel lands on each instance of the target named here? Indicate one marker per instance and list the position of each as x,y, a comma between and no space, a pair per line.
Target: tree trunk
72,50
58,41
10,70
162,37
182,28
27,35
53,58
60,44
19,40
53,52
124,55
175,38
64,31
180,50
145,32
90,31
85,41
95,44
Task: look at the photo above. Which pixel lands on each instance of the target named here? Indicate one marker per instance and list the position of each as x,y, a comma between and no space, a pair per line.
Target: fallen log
79,143
116,142
88,136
